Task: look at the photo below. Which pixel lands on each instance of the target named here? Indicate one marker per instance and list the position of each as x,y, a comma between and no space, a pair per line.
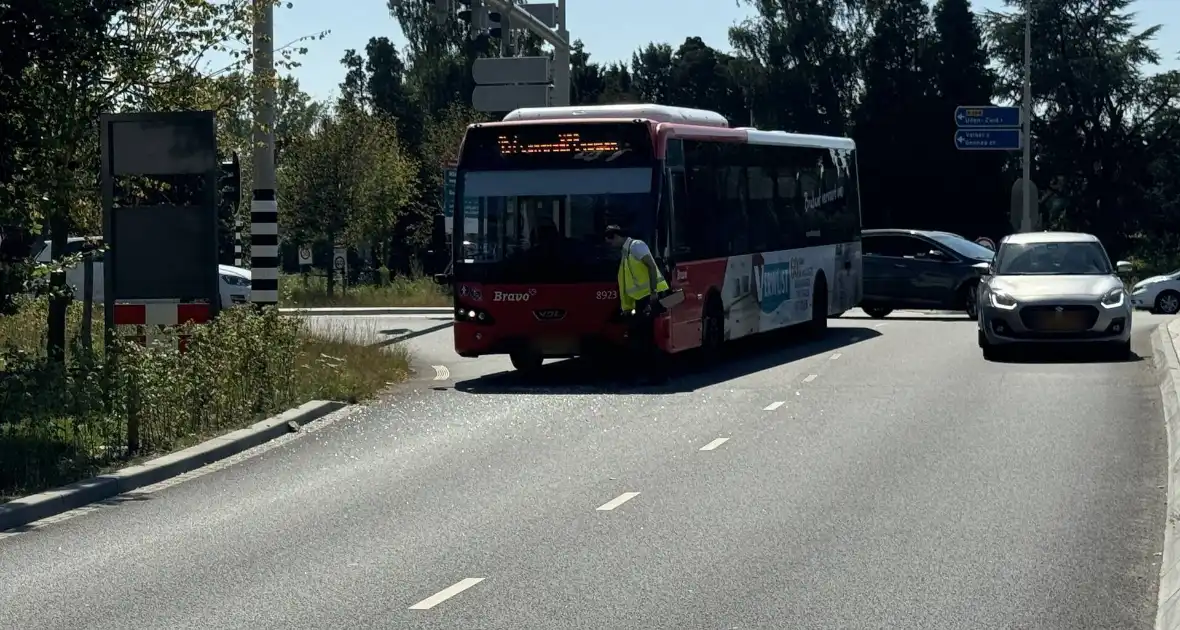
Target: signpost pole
561,56
1027,222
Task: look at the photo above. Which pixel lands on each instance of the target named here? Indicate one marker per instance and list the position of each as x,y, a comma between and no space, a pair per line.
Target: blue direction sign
987,139
470,204
987,117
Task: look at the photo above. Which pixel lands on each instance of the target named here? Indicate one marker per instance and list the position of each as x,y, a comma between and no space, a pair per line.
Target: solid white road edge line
617,501
446,593
714,444
810,377
772,406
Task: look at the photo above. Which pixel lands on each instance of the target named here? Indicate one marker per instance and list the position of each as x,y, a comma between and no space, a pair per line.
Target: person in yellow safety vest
640,285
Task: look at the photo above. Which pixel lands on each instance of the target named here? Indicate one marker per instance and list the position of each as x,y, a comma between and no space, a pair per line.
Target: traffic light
476,15
496,25
229,196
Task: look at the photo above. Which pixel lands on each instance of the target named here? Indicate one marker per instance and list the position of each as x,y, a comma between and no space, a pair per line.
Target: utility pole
1026,223
561,58
264,212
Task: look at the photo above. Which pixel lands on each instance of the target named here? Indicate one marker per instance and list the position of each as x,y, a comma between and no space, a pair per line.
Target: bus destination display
569,142
562,145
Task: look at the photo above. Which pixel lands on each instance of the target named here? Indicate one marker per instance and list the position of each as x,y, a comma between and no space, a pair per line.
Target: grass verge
312,291
59,424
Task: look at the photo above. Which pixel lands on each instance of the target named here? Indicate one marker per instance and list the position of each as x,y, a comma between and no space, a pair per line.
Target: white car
1158,294
235,281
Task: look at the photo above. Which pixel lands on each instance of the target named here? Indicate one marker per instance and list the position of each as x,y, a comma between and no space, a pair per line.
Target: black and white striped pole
264,212
237,243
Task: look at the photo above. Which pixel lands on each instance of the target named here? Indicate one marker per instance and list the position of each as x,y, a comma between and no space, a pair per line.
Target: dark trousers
649,360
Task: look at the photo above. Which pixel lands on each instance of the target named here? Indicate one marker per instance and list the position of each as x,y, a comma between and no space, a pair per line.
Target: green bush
389,291
61,423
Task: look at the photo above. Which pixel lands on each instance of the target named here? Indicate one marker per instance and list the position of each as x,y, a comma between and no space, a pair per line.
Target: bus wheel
819,308
526,360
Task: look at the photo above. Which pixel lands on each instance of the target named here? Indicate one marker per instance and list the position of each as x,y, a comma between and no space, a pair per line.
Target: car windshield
962,246
552,216
1079,258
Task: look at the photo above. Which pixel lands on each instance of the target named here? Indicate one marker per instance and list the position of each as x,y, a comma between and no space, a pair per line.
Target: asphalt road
887,477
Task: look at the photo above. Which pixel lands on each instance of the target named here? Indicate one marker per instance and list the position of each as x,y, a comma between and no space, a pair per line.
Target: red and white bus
759,229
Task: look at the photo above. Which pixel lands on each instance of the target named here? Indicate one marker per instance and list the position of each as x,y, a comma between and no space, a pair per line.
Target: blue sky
611,29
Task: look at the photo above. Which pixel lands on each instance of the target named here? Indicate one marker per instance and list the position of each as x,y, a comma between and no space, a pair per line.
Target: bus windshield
551,222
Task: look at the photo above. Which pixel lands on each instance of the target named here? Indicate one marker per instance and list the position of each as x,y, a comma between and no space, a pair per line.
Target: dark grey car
920,269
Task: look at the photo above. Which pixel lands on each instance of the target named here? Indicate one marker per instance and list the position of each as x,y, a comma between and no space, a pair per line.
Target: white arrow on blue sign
988,116
987,139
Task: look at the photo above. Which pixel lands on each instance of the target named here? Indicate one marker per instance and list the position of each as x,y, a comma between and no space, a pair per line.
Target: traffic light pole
516,16
264,211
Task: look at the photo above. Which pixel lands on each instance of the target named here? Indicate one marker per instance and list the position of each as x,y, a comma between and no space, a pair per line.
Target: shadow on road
940,317
398,335
1061,353
689,371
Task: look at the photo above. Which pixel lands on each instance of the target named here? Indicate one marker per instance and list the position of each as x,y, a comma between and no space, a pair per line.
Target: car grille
1059,319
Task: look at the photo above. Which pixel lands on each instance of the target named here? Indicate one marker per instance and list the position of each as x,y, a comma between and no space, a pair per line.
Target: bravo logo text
772,283
506,296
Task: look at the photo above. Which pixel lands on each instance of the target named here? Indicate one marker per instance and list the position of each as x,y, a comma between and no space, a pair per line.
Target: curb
25,510
368,310
1167,366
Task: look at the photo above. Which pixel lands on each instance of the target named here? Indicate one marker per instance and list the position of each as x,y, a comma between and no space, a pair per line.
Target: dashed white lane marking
441,372
878,325
714,444
772,406
810,377
307,429
617,501
834,357
446,593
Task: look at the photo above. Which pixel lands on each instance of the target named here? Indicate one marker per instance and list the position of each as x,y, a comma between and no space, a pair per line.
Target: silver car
1053,287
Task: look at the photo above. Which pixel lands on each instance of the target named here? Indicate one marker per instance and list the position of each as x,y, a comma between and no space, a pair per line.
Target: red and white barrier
150,317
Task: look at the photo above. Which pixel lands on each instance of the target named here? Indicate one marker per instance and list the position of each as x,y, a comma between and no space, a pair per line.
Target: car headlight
1002,300
1137,289
1113,298
235,281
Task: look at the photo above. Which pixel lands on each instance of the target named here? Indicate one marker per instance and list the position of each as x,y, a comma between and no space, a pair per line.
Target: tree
348,182
893,130
1093,109
975,180
799,65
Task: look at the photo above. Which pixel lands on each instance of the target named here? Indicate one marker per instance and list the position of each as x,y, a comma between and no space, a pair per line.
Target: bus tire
526,361
819,306
712,326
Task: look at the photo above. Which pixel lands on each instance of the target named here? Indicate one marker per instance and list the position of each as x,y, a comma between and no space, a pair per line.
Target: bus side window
703,203
765,233
681,228
786,200
735,222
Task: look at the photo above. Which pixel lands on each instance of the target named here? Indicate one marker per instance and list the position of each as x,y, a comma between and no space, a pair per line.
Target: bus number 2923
607,295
